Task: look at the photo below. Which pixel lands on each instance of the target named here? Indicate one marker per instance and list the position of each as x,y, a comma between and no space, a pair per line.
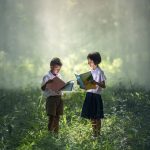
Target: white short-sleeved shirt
48,92
98,76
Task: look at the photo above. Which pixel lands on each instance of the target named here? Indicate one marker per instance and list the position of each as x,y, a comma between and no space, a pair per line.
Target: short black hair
56,61
95,56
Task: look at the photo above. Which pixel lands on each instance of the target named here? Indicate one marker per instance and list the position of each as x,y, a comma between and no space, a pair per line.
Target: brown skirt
54,106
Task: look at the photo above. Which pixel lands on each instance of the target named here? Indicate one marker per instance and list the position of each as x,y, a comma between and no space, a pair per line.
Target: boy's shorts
54,106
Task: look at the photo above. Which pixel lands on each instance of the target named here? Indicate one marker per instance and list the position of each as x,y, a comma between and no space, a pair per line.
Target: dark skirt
92,106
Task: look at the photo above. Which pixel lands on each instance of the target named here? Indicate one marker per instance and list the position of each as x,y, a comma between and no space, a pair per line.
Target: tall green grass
126,126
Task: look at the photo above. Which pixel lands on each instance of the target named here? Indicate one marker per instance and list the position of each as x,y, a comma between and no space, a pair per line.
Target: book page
68,86
56,84
84,81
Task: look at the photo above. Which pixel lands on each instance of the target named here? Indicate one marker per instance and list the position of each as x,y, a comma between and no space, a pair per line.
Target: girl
93,105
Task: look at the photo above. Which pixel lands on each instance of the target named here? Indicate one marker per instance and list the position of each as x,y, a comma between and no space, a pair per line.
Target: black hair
95,56
56,61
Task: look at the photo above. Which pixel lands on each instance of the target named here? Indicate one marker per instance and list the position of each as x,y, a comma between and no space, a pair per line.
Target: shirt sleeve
45,79
102,77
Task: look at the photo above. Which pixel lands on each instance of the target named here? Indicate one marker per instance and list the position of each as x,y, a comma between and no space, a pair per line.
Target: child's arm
101,84
44,86
101,80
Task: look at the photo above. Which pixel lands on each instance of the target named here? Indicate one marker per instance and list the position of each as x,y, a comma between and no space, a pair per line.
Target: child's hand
93,82
44,86
50,81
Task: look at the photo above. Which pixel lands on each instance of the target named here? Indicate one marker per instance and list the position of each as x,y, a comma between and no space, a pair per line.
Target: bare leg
98,126
51,123
56,124
94,126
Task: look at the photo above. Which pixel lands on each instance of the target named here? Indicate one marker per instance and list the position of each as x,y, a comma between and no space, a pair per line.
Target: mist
33,32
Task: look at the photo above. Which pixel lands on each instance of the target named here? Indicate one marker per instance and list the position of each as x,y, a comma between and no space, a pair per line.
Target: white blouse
98,76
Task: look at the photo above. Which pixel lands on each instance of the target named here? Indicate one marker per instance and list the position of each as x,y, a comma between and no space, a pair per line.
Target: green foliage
23,122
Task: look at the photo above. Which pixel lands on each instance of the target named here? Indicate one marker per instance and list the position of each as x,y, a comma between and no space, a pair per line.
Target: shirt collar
96,68
52,74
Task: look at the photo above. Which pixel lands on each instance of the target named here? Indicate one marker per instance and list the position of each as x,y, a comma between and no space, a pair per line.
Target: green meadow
126,126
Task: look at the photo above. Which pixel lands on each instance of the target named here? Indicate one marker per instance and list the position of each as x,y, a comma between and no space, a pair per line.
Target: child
93,105
54,103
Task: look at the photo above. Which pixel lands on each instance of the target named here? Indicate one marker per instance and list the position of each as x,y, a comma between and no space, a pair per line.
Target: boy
54,103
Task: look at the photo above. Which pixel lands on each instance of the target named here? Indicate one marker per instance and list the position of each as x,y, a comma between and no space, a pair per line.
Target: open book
59,85
68,86
85,81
